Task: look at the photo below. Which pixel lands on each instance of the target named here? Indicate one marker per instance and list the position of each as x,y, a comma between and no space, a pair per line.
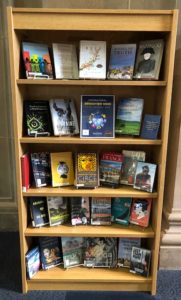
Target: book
25,171
140,261
120,210
129,115
92,60
65,61
38,211
121,64
97,116
151,124
41,168
32,259
50,252
64,117
101,211
62,169
140,212
37,118
37,61
130,159
145,176
80,210
100,252
57,210
110,168
148,60
86,165
125,246
72,248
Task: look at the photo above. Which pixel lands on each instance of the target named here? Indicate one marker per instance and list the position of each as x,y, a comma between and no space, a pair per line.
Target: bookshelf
113,26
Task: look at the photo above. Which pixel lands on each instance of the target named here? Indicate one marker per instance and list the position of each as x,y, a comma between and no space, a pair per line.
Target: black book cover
50,252
38,210
80,210
41,168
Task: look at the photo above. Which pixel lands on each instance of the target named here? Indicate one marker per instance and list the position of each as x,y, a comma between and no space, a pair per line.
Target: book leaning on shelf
57,210
120,210
38,211
80,210
33,263
73,249
140,261
125,246
150,127
50,252
145,176
101,211
140,212
41,168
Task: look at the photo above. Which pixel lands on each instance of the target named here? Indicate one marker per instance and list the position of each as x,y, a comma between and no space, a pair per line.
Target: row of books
123,63
88,252
98,119
112,169
85,210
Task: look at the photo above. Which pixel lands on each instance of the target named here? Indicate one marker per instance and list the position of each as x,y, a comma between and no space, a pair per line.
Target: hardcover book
148,60
124,250
64,117
129,114
140,261
151,124
38,210
101,211
62,169
57,210
37,61
92,60
97,116
140,212
25,171
72,248
41,168
145,176
80,210
50,252
32,259
120,210
121,64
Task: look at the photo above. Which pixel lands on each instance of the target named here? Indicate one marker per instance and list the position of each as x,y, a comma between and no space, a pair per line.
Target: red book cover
25,172
140,212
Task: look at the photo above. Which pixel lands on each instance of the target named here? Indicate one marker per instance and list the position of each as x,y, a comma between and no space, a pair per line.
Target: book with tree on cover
25,171
80,210
120,210
125,246
38,210
33,263
140,261
50,252
41,168
101,211
150,128
57,210
140,212
73,249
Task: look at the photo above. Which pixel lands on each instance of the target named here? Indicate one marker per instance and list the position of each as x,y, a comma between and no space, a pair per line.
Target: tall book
38,210
101,211
32,259
50,252
25,171
41,168
140,212
120,210
140,261
150,127
57,210
80,210
125,246
145,176
72,248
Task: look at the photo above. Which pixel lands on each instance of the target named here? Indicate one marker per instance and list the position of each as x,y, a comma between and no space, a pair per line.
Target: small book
32,259
92,60
25,171
120,210
150,128
124,250
129,115
64,117
62,169
37,61
148,60
97,116
121,64
86,164
72,248
65,61
41,168
140,261
37,118
57,210
145,176
38,210
50,252
80,210
101,211
140,212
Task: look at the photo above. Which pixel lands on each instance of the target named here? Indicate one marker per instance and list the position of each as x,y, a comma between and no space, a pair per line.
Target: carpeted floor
169,282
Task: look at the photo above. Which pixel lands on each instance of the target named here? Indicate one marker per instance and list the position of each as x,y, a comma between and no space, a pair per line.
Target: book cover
121,64
140,212
97,116
120,210
32,259
151,124
129,115
41,168
130,159
148,60
65,61
124,250
64,117
140,261
25,171
86,170
38,210
110,168
101,211
37,61
57,210
145,176
92,60
50,252
80,210
73,248
100,252
37,118
62,169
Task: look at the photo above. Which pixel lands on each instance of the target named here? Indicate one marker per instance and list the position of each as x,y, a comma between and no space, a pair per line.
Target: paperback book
50,252
80,210
38,211
120,210
41,168
32,259
140,261
124,250
73,249
150,128
57,210
145,176
140,212
101,211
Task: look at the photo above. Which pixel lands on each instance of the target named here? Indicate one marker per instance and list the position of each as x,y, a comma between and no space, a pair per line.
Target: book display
66,163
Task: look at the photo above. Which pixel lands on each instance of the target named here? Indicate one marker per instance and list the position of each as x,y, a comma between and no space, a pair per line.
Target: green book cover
121,210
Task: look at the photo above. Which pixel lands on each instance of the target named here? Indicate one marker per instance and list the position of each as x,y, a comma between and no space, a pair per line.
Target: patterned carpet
169,282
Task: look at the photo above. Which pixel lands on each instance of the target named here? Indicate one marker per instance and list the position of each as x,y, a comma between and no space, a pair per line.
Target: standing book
124,250
140,212
72,248
150,128
140,261
101,211
32,259
38,210
41,168
57,210
25,171
80,210
145,176
120,210
50,252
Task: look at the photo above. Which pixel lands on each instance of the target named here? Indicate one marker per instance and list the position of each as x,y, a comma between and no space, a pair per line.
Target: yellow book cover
62,169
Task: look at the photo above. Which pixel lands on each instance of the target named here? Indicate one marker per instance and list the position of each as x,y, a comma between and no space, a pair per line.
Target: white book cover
92,62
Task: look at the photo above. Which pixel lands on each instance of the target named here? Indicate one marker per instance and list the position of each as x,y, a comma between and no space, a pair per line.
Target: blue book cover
97,116
50,252
32,261
151,124
120,210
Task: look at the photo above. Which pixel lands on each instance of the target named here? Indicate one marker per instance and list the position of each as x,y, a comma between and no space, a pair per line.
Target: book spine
25,172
